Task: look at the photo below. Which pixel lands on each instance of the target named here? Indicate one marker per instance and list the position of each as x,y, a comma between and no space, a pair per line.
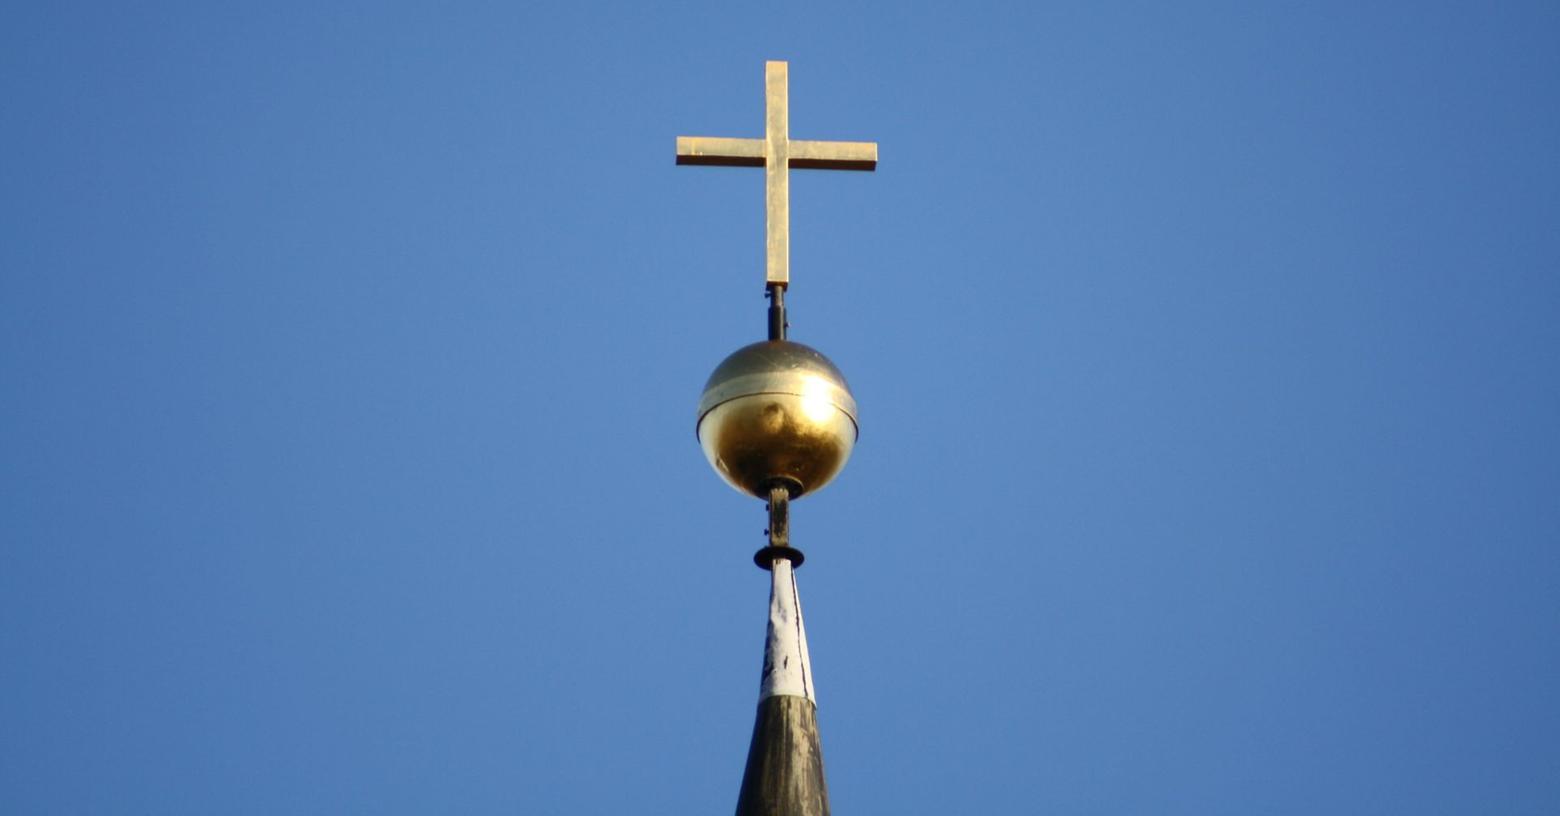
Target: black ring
765,558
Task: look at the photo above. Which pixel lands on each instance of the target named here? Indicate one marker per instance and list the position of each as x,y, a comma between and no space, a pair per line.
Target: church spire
784,773
778,421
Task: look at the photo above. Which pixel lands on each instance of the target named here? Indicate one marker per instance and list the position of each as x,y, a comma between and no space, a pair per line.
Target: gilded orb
777,411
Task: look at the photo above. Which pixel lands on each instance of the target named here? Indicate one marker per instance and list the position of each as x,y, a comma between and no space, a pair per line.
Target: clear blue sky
1206,353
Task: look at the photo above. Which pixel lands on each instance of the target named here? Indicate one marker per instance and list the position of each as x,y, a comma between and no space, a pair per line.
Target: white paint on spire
787,669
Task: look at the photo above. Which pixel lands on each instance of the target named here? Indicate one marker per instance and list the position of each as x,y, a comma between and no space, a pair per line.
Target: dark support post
779,516
777,324
779,530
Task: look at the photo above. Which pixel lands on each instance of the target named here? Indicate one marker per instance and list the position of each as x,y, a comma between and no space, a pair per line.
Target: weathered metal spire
784,773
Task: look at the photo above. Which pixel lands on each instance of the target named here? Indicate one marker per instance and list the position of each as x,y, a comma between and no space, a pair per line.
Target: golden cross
777,153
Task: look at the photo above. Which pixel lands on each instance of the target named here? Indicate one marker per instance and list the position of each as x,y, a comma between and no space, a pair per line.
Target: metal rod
776,294
779,515
779,531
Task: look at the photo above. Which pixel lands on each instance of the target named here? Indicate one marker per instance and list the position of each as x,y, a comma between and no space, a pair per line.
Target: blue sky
1206,356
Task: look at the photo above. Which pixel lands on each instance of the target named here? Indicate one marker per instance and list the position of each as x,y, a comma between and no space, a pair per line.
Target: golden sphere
777,411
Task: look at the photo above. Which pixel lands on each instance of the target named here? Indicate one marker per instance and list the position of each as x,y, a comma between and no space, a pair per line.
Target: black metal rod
779,515
777,324
779,530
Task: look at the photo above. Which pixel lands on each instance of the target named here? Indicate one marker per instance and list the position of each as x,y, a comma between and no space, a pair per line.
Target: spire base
784,771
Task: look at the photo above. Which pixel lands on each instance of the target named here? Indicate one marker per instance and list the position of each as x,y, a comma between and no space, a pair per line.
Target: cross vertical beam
777,173
777,153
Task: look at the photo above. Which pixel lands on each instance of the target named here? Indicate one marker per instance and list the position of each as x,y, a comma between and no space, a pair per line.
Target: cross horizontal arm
714,150
805,153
